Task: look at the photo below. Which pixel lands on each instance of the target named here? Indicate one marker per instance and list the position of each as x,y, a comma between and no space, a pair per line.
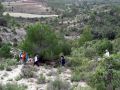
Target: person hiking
36,61
24,57
62,61
20,56
107,53
27,57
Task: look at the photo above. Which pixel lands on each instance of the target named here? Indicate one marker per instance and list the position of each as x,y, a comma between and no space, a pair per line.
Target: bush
84,88
8,68
1,9
18,78
28,72
41,79
12,87
7,63
58,85
90,52
116,45
42,40
86,35
76,77
2,66
77,57
102,45
11,62
3,22
5,51
106,75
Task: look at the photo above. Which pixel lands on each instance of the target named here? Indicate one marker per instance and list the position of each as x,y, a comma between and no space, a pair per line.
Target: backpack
20,55
23,56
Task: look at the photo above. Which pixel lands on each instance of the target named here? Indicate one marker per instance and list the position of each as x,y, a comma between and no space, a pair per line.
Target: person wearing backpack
62,61
20,56
24,57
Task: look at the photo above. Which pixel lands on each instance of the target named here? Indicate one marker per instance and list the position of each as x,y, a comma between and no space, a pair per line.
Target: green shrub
2,66
3,22
12,87
42,40
90,52
86,35
84,88
7,63
116,45
18,78
106,74
8,68
5,51
76,77
1,9
80,74
75,59
11,62
58,85
28,71
41,79
102,45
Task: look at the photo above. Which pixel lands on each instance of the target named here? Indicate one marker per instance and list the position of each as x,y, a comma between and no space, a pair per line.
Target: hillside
31,7
60,45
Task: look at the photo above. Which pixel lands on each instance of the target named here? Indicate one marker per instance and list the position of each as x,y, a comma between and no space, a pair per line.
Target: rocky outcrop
11,35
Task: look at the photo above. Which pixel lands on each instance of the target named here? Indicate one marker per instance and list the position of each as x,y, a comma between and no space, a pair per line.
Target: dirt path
26,15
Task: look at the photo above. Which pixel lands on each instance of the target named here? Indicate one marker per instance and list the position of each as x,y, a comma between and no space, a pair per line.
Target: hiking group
24,58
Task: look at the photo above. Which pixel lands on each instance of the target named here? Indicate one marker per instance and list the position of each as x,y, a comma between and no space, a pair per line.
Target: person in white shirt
36,62
107,54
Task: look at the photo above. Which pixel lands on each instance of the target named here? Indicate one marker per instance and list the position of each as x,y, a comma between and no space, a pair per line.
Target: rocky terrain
11,35
30,7
49,73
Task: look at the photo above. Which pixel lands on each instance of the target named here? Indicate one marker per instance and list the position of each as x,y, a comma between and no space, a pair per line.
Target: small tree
42,40
102,45
5,50
86,35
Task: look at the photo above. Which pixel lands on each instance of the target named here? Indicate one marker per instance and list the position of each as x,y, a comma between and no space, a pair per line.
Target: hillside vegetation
83,32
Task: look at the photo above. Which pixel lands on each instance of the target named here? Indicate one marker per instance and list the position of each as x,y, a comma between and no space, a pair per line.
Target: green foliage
76,77
81,63
7,63
102,45
8,68
2,66
106,74
90,52
3,21
18,78
1,9
41,79
105,24
12,87
10,21
58,85
86,35
42,40
83,88
5,51
116,45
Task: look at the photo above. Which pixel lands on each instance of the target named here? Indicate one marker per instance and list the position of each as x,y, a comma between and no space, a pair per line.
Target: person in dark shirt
62,60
